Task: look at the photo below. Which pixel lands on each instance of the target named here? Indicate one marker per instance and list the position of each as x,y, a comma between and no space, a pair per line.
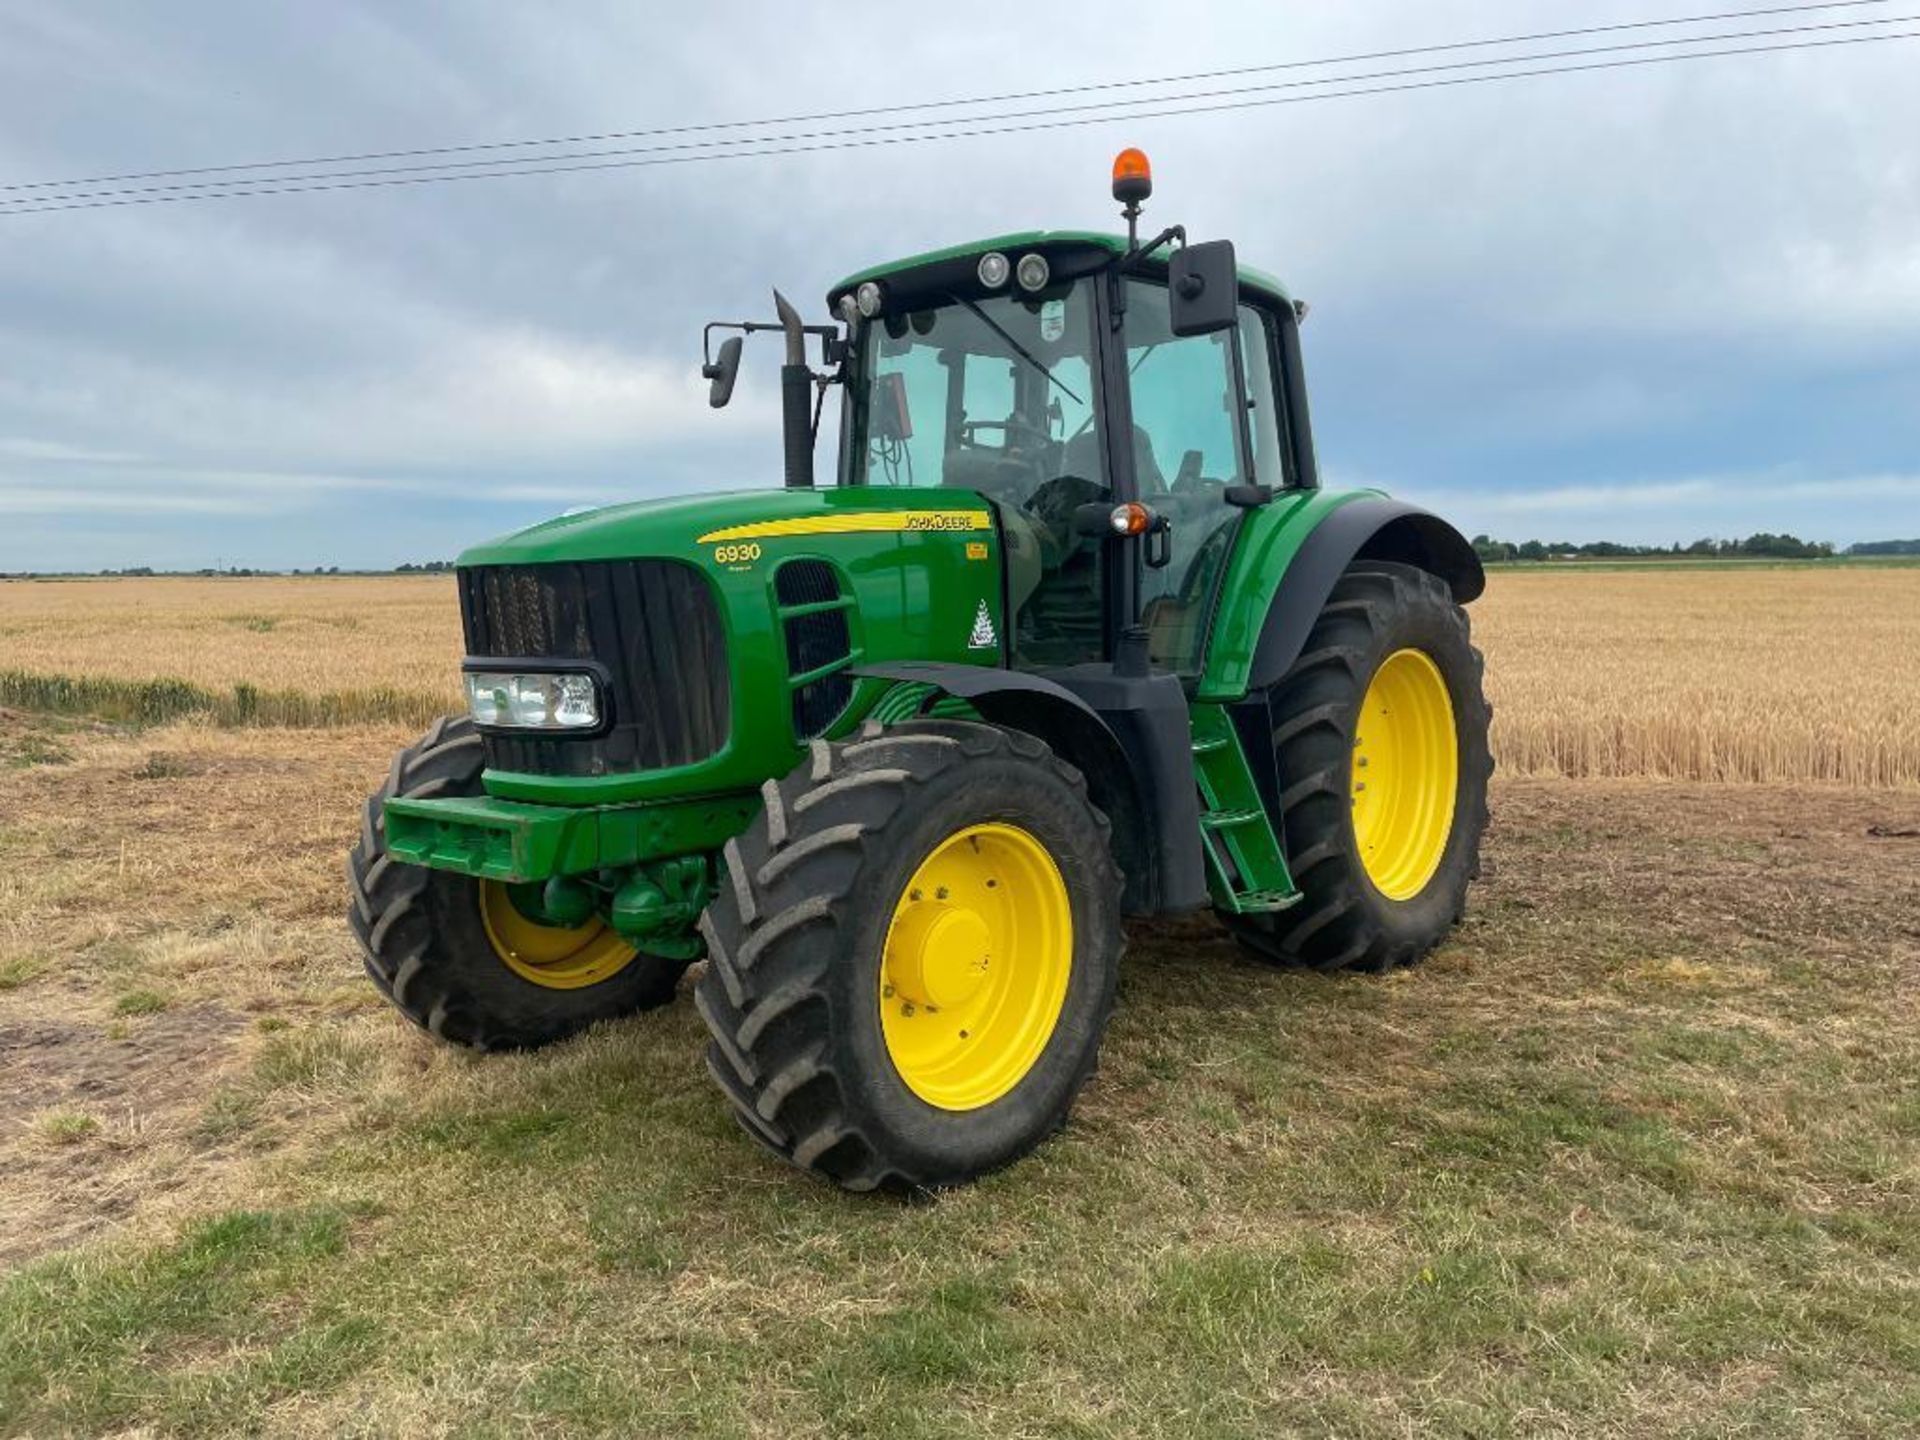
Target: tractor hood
678,527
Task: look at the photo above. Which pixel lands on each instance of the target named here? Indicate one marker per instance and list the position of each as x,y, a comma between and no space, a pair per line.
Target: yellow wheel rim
976,964
1406,767
560,957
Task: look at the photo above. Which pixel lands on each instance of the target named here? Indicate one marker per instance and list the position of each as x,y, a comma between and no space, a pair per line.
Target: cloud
19,500
20,448
1670,291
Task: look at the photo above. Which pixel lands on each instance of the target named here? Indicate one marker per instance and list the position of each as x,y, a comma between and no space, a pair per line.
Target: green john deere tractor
1073,634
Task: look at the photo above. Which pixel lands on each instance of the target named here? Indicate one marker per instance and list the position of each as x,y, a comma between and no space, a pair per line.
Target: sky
1647,305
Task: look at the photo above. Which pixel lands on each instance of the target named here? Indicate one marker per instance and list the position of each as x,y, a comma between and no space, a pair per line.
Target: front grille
814,640
654,626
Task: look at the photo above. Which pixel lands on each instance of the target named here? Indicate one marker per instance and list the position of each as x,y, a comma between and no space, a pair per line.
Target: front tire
1380,737
462,958
912,959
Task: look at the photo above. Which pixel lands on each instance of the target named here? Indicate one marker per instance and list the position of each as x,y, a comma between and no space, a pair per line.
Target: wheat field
1732,674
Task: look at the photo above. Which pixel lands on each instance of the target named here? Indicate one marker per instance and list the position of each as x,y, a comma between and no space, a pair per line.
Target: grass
140,1002
158,701
1638,1153
17,970
65,1127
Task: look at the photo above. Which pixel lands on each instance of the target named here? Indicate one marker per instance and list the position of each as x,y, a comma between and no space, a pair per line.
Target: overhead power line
962,103
449,169
862,139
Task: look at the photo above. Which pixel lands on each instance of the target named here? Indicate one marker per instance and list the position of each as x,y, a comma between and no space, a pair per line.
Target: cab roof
1051,240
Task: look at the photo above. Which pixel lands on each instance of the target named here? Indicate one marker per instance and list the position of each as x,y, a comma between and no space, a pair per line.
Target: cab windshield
987,394
996,395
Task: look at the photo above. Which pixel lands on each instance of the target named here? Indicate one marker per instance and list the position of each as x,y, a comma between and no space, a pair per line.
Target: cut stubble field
1637,1152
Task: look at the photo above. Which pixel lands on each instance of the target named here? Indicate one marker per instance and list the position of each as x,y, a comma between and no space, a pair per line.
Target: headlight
1033,272
558,700
867,298
993,270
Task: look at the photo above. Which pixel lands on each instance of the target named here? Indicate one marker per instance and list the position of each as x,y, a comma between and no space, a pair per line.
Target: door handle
1157,543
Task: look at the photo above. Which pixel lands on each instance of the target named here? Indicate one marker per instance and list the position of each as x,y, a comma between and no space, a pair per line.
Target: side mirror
722,372
1203,288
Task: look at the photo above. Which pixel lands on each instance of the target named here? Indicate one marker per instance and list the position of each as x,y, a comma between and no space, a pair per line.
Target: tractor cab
1119,404
1045,372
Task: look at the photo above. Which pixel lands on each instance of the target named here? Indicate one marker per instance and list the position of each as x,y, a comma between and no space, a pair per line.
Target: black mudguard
1372,528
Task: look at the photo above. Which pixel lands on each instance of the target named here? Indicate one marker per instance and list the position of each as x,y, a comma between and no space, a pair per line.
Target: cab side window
1188,447
1267,422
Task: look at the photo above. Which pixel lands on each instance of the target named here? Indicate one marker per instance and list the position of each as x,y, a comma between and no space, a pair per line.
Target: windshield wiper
1018,349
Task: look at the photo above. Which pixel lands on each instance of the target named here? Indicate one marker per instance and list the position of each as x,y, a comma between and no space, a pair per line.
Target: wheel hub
939,954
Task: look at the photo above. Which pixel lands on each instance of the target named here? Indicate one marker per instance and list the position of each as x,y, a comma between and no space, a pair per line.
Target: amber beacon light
1132,176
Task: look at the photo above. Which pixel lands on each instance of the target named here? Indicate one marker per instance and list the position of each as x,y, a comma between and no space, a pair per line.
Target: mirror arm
1142,252
829,335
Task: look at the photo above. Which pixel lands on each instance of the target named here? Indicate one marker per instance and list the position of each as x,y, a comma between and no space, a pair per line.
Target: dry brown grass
1783,675
1636,1154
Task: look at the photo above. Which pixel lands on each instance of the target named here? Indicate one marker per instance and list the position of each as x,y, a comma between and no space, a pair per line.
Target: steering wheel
1009,430
1052,505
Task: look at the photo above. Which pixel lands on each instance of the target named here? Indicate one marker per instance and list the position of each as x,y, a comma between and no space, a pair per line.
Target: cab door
1206,415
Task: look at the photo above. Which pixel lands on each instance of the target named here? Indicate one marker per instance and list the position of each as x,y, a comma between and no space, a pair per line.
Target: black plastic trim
1293,387
1370,528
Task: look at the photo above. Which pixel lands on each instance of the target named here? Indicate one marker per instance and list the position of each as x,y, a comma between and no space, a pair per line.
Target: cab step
1246,868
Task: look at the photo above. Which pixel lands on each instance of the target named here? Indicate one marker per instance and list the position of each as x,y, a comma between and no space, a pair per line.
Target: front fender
1286,561
1129,739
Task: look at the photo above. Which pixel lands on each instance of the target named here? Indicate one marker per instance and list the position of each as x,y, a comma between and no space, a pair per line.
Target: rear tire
807,931
1357,909
430,948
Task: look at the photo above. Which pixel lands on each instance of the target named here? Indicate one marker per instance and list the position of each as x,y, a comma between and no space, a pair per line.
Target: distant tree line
1885,547
134,572
1763,545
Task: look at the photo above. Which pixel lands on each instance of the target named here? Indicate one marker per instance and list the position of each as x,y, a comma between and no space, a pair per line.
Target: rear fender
1285,565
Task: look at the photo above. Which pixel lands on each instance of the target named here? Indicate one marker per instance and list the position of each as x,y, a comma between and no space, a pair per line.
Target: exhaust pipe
796,399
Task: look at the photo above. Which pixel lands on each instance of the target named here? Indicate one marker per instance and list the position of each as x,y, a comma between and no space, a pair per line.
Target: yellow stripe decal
863,522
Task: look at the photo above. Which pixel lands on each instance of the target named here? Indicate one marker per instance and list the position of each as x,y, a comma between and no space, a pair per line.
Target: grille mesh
821,638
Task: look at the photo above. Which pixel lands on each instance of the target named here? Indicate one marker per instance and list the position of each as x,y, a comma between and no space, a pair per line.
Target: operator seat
1083,458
